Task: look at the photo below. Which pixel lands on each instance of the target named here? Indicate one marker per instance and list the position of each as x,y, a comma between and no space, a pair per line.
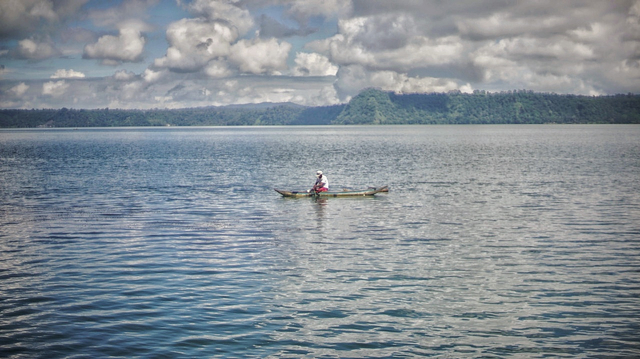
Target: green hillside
377,107
371,107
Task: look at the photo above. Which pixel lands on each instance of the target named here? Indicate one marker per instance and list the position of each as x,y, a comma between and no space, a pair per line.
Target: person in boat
322,183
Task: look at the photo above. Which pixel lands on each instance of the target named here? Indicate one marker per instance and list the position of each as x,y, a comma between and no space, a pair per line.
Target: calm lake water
494,241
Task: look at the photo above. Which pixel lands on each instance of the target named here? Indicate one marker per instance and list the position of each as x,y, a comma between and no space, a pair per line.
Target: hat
319,173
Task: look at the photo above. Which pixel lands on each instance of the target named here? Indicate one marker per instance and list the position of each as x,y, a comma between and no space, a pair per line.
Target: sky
144,54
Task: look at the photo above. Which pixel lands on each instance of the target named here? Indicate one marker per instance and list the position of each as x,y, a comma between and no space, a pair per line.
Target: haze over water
494,241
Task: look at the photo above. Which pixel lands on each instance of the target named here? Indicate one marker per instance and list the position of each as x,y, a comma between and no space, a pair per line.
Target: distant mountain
370,107
258,106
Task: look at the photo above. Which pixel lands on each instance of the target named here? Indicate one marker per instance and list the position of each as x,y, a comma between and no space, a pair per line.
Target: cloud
152,76
209,43
260,56
257,89
128,46
313,64
325,96
382,49
500,25
166,89
547,46
203,52
19,18
270,27
55,89
352,79
218,69
537,55
67,74
124,75
31,49
359,42
129,10
77,35
19,89
194,42
303,9
223,11
382,32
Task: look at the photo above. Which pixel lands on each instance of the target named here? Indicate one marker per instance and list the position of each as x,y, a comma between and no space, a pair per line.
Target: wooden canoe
347,193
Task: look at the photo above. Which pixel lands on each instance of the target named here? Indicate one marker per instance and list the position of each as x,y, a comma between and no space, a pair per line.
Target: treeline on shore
369,107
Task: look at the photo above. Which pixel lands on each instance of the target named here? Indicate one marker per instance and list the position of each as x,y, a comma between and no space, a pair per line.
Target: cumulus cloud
55,88
313,64
128,46
500,25
223,11
194,42
546,46
218,69
152,76
324,96
352,79
19,89
241,51
32,49
260,56
124,75
510,59
381,50
382,32
67,74
357,43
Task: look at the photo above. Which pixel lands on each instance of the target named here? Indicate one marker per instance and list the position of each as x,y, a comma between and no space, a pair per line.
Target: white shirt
323,181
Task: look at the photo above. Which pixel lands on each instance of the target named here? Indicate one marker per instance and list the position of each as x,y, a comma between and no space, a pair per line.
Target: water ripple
493,242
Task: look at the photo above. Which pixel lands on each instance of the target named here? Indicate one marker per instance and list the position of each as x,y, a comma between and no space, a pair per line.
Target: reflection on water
502,241
320,208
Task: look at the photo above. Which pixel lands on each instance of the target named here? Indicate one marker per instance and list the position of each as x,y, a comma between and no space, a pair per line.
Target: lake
494,241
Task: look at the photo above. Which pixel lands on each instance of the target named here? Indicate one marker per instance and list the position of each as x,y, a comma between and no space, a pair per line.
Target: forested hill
369,107
520,107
